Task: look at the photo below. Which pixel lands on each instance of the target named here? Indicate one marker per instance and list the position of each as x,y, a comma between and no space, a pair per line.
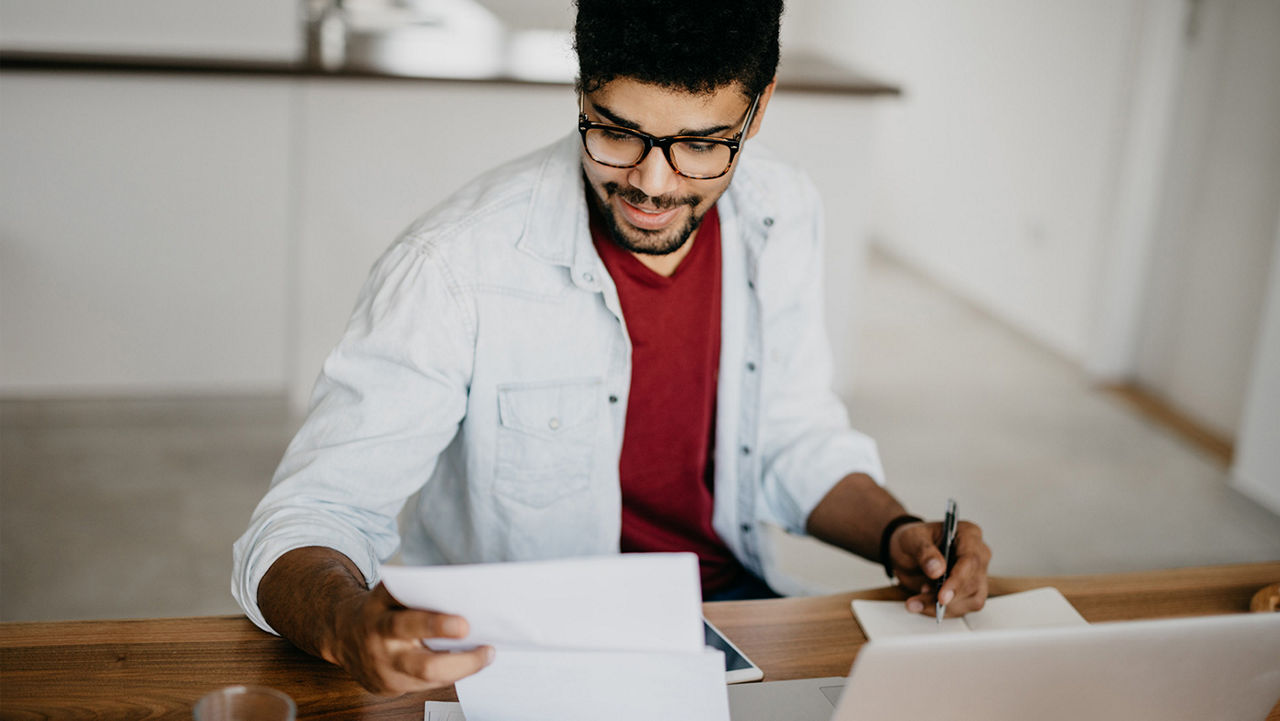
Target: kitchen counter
804,72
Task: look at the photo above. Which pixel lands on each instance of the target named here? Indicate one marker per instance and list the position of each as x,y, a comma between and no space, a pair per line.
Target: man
612,344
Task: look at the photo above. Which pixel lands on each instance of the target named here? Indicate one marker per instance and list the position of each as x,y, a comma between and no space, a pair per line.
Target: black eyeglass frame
734,143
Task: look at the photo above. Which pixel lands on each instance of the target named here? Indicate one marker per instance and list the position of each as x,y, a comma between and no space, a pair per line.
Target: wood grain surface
158,668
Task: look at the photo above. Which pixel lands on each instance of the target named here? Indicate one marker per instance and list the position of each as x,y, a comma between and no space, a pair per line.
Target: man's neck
666,265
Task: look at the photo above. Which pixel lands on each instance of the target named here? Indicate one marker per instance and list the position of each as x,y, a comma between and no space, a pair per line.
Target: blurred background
1053,276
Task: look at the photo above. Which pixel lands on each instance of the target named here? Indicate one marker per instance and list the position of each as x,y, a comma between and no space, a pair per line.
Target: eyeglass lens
690,157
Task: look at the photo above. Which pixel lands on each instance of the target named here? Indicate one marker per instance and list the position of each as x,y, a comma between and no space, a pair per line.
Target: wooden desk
156,669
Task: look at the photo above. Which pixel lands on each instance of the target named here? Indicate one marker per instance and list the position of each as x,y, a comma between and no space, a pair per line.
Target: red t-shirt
667,461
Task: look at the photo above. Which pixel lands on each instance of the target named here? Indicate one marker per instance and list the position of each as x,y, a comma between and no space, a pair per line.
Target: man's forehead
661,109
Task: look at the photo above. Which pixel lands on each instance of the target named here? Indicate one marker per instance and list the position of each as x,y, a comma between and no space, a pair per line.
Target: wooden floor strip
1160,411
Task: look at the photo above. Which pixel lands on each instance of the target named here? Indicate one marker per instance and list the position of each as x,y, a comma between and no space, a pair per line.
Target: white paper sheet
885,619
1040,607
596,685
443,711
631,602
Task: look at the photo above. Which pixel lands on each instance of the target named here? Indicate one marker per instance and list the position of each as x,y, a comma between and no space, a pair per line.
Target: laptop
1209,667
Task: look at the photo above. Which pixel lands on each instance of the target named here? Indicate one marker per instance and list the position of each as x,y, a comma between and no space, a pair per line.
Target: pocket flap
549,408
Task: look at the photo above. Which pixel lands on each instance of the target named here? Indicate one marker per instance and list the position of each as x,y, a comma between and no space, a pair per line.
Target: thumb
921,548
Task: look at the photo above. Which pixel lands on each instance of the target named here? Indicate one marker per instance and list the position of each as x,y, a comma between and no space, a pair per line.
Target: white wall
251,29
534,14
1083,171
144,234
1217,229
996,169
1256,471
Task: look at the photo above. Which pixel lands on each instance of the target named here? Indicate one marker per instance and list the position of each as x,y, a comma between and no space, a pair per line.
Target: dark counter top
799,72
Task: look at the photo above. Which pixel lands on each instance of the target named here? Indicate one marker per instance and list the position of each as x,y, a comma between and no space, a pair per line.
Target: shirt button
768,222
589,277
613,399
746,451
751,366
553,424
751,284
746,528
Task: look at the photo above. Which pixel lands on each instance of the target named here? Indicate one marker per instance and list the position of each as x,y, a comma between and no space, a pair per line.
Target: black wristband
902,520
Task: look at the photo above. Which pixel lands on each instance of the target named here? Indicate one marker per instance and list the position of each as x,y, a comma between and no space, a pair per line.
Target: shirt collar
555,223
752,204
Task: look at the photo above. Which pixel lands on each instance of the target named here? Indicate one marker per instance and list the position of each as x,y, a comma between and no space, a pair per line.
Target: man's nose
654,176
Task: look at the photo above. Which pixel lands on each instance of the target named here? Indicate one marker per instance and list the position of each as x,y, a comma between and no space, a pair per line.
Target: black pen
948,553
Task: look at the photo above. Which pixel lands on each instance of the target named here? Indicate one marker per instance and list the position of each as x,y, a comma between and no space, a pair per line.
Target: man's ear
764,102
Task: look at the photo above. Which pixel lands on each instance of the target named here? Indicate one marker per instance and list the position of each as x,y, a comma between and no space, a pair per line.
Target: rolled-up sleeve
389,399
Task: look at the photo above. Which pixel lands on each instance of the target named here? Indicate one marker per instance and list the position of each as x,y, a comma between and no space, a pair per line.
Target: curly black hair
693,45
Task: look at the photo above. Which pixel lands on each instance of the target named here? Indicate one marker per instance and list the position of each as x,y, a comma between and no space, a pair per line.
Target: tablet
737,667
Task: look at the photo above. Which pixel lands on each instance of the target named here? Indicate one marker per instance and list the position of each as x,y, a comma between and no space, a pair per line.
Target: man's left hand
918,563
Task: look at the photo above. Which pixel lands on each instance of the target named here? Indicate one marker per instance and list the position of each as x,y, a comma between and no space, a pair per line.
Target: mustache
639,198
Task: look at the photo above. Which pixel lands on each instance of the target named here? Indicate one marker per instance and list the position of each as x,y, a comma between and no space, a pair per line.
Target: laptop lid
1214,667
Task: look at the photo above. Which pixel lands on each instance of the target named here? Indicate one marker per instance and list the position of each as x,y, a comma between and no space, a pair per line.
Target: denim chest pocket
545,440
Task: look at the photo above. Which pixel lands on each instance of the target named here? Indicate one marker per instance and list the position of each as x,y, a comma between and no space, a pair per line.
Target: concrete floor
128,508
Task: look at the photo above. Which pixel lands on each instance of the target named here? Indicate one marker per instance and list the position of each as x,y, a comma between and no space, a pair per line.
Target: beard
663,241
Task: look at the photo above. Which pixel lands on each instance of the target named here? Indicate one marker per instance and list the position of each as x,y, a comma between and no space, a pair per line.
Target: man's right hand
317,598
379,642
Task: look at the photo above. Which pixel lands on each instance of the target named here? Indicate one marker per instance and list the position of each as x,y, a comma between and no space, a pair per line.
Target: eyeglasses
692,156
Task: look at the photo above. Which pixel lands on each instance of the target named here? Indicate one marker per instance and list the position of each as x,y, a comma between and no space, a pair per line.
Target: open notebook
1037,608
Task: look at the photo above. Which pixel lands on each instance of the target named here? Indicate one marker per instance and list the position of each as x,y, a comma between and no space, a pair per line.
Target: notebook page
886,619
1037,608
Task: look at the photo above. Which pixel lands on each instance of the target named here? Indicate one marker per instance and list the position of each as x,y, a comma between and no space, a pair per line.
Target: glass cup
245,703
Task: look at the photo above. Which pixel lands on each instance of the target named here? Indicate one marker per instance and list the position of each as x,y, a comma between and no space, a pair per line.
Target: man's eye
700,147
616,136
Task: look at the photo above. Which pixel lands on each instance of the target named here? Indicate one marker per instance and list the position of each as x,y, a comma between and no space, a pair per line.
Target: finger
960,580
968,576
917,603
442,668
922,602
967,586
930,560
969,600
920,547
415,624
971,558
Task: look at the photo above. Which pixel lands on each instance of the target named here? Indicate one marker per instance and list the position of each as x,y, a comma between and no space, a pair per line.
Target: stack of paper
611,637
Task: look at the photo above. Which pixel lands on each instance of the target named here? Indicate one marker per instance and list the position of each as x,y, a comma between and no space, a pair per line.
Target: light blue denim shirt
484,374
